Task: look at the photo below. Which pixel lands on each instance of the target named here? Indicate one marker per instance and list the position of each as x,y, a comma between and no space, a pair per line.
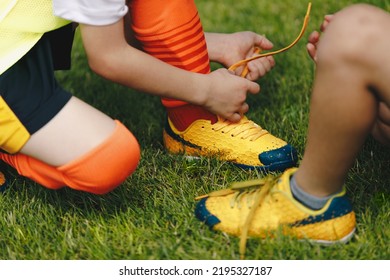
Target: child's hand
314,38
227,49
240,46
225,94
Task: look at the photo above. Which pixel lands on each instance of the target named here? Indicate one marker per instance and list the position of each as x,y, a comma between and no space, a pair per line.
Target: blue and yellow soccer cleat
263,208
245,144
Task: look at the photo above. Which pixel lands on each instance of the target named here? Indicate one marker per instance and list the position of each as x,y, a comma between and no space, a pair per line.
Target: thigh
379,58
29,97
371,25
359,34
73,132
42,120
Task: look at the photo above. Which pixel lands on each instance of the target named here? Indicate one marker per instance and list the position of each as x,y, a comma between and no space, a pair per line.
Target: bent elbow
102,66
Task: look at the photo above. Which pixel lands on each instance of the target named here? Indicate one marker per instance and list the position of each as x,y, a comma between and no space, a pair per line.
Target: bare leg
81,148
352,77
73,132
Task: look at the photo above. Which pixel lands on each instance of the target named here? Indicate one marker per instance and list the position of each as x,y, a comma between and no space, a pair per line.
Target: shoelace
258,50
245,128
255,191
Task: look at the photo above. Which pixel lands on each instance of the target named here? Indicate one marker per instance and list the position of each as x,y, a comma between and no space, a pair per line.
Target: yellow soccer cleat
245,144
263,208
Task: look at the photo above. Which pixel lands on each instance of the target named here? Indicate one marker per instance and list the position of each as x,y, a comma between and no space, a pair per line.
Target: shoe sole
343,240
277,166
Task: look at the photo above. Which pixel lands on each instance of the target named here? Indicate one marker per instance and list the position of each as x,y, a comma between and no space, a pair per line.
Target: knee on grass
99,171
105,167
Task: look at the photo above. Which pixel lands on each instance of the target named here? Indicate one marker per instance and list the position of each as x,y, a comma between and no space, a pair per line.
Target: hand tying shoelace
258,50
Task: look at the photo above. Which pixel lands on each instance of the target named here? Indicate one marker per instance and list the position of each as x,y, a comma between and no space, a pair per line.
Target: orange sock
99,171
184,116
172,32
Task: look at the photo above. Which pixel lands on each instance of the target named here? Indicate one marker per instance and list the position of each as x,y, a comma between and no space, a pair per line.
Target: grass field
151,215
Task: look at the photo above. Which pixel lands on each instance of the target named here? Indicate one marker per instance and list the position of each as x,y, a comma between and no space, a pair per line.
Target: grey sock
310,201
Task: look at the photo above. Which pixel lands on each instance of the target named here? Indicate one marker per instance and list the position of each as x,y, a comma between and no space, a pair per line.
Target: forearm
110,56
123,64
143,72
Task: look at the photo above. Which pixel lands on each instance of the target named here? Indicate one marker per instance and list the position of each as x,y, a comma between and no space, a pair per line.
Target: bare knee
99,171
351,33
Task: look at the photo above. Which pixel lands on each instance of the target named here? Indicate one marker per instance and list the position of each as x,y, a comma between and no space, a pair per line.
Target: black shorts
29,95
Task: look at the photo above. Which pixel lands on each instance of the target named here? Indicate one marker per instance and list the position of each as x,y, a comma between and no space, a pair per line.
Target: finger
311,49
244,108
257,70
239,71
328,17
271,61
267,64
231,72
263,43
252,87
264,64
236,117
327,20
314,37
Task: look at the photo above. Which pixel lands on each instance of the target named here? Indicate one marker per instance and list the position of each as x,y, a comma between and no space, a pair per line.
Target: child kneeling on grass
57,140
350,100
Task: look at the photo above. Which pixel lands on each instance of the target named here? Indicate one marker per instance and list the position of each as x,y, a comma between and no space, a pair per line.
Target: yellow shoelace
258,50
245,128
255,191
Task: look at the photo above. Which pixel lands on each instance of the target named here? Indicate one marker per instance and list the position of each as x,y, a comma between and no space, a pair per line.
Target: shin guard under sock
172,32
99,171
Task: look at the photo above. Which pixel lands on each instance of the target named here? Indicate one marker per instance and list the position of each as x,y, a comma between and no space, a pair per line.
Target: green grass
151,215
